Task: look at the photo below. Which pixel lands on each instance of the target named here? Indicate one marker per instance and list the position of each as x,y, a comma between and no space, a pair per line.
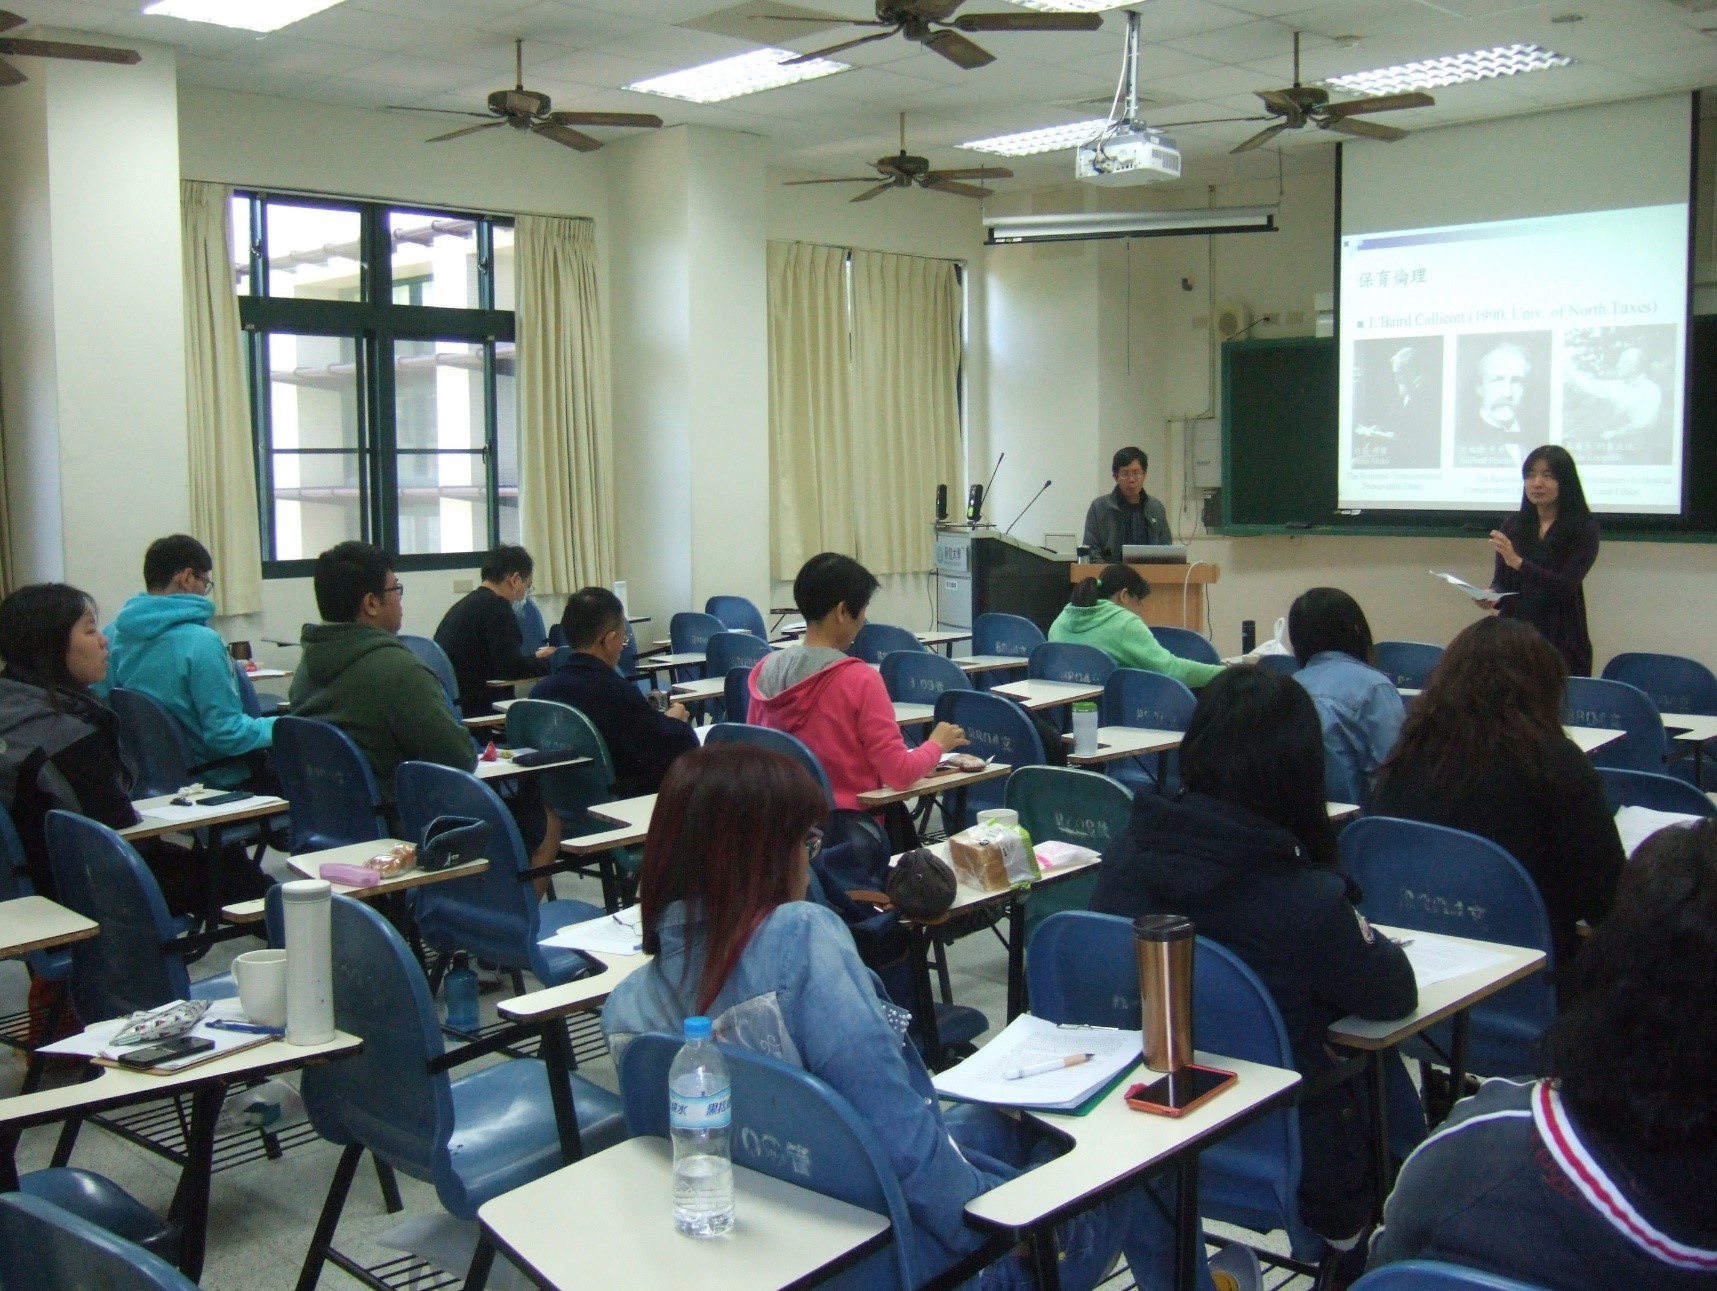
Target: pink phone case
353,876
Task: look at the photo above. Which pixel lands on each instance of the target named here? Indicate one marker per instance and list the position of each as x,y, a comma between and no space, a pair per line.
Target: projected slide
1464,348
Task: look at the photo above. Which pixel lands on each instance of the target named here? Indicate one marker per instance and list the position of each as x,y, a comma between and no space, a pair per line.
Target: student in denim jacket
723,885
1359,708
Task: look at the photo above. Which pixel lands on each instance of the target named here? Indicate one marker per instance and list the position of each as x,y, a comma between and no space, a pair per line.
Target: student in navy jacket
1602,1174
641,742
1249,855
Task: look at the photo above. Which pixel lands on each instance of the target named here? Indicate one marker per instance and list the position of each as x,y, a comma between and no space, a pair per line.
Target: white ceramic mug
261,978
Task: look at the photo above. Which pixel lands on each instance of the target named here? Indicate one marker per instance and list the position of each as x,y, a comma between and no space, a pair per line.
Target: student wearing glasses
481,636
162,645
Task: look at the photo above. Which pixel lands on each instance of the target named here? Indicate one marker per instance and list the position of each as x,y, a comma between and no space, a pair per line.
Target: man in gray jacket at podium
1127,515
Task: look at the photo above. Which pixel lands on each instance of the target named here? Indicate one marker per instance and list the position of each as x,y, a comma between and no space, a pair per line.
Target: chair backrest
384,1096
1623,788
1187,644
1675,683
435,659
1437,879
792,1126
1069,805
153,740
14,883
777,742
728,649
127,965
531,626
1407,664
570,791
1153,700
44,1247
1617,706
689,631
1283,664
995,728
1434,1275
737,614
918,676
1005,634
247,696
329,783
493,914
557,635
1070,661
874,640
736,696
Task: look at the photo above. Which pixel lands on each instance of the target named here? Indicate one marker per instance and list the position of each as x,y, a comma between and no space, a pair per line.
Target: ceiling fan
931,23
1296,105
13,46
903,170
531,110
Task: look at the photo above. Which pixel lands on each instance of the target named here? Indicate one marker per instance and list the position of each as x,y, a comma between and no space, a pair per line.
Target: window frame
375,324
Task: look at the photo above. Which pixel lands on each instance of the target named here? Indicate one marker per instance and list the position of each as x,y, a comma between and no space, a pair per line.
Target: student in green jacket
1109,613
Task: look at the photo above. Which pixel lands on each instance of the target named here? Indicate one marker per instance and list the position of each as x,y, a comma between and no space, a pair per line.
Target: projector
1130,155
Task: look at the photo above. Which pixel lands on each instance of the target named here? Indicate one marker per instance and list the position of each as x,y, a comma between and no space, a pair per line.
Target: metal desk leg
190,1207
557,1057
1045,1262
923,997
1016,955
1376,1060
1188,1232
1460,1033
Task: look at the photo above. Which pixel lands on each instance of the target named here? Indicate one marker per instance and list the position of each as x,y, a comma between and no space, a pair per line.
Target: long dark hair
1572,512
722,840
1499,686
1327,618
1114,579
36,625
1635,1050
1255,740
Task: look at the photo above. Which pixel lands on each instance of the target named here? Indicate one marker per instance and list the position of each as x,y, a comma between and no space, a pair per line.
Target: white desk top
1113,1143
576,996
1690,728
965,896
36,923
1036,694
1440,999
1342,810
187,819
1591,738
990,662
631,817
660,662
941,638
309,864
697,692
871,799
501,768
266,674
624,1235
1115,742
912,714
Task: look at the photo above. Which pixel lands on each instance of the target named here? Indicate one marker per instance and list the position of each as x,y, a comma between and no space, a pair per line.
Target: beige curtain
6,566
812,500
566,451
217,402
906,403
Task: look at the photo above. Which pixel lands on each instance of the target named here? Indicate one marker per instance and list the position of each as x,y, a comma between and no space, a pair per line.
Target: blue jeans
1086,1245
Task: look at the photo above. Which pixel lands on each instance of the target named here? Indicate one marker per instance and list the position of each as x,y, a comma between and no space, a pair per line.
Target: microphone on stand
1028,506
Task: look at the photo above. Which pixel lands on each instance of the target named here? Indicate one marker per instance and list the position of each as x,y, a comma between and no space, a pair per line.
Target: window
380,341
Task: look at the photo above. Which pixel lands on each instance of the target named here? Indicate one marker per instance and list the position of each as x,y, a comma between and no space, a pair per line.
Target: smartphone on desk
1179,1092
178,1047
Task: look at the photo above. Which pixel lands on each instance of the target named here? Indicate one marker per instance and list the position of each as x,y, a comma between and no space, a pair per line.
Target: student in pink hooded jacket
833,702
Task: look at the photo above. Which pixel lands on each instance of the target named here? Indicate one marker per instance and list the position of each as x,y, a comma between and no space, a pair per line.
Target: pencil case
353,876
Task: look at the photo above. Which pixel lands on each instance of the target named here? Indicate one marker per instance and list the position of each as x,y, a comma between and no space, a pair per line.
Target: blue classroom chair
776,742
1067,805
433,657
1407,664
1070,661
45,1246
918,676
1615,705
874,640
997,728
1433,1275
737,614
1186,644
533,632
329,784
1674,683
1623,788
1153,701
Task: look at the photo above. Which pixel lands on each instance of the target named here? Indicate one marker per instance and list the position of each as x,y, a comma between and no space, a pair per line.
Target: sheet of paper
1477,593
94,1041
1636,824
983,1078
1437,959
615,934
196,812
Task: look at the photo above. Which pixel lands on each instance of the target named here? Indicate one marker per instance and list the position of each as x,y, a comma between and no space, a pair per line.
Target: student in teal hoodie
162,645
1108,613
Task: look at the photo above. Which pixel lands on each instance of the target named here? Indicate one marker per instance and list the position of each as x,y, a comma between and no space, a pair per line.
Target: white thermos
309,905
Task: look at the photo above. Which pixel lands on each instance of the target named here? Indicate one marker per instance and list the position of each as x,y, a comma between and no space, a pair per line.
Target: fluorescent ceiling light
728,78
246,15
1029,143
1072,6
1454,69
1083,226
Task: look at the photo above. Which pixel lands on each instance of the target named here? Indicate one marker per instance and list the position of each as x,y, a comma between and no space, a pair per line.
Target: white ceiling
1199,58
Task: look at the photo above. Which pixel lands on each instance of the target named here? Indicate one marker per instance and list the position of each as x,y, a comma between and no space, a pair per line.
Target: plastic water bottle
700,1110
461,990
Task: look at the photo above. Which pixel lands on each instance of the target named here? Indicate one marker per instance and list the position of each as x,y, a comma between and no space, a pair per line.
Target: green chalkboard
1278,432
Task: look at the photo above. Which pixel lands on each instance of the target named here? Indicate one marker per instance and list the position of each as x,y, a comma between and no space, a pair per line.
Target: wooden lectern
1172,586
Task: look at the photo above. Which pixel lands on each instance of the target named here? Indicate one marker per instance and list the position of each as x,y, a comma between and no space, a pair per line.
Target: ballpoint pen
247,1028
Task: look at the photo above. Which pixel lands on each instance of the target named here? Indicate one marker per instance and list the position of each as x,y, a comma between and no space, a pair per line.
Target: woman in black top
1543,553
1483,750
1248,854
59,744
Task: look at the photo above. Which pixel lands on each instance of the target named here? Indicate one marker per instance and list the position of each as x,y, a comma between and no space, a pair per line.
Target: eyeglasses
208,584
813,843
393,588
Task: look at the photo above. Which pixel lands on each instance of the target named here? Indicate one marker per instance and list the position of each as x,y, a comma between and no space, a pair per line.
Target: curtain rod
835,246
286,190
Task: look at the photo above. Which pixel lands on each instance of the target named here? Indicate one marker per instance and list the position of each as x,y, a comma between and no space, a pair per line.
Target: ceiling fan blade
795,183
463,131
445,112
1363,129
1279,103
1383,103
621,120
958,50
937,184
10,75
1262,137
566,136
1028,22
9,20
59,49
975,172
846,44
874,192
